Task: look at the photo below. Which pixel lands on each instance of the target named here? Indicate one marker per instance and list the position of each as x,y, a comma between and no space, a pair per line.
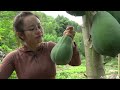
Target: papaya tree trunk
94,64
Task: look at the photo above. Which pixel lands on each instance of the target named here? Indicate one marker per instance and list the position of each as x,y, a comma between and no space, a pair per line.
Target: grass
13,76
71,72
111,69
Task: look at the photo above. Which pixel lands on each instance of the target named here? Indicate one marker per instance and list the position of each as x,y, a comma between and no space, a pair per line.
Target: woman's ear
20,35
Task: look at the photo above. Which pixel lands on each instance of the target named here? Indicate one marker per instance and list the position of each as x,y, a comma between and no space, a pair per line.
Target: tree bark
94,64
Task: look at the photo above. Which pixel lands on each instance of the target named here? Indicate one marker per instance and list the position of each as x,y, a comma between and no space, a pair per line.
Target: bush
50,37
5,48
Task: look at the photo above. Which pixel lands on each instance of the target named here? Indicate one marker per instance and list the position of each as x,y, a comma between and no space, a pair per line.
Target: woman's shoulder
12,53
10,56
49,44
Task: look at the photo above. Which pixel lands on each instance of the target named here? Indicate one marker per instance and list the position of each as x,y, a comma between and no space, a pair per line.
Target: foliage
5,48
7,37
50,37
82,48
63,22
13,76
77,39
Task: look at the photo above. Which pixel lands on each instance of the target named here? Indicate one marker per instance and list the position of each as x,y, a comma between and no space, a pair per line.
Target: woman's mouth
37,37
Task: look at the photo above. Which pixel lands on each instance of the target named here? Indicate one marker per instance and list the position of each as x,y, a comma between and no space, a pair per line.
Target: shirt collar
25,48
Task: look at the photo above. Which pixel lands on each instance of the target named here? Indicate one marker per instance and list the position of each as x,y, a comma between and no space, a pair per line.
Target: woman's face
33,31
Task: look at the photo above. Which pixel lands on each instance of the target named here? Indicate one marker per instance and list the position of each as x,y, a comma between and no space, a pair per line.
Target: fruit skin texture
76,13
105,33
115,14
62,52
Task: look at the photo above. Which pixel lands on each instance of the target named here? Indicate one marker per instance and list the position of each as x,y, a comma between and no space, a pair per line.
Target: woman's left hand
69,31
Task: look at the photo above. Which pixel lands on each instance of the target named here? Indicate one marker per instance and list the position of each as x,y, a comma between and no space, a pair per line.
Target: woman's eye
31,29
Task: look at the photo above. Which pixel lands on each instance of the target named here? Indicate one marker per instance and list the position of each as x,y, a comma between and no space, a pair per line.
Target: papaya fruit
62,52
105,34
115,14
76,13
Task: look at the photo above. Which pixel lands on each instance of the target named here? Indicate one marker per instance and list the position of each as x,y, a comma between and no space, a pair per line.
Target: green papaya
115,14
76,13
62,52
105,33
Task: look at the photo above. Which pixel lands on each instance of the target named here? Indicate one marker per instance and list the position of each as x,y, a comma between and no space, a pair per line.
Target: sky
65,14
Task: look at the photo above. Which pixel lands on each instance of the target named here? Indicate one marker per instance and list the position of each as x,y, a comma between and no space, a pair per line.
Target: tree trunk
94,64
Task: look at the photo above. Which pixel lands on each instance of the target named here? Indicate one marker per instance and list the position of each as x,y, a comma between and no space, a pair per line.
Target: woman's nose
38,31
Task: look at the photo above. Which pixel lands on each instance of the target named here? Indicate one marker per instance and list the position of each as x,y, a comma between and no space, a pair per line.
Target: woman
32,60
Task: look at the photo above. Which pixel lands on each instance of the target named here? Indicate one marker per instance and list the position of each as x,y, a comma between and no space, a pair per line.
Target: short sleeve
76,60
7,66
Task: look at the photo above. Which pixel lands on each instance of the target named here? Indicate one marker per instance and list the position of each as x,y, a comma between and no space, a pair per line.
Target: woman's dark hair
18,21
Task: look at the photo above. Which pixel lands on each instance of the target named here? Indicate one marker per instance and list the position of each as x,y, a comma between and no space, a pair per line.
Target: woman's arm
76,60
6,67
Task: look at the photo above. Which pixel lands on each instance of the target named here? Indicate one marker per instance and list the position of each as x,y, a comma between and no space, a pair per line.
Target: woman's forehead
31,20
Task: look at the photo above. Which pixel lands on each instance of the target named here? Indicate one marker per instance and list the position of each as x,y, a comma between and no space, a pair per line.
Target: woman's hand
69,31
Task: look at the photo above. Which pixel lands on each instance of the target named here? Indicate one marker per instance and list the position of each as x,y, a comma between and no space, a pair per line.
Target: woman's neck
32,47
